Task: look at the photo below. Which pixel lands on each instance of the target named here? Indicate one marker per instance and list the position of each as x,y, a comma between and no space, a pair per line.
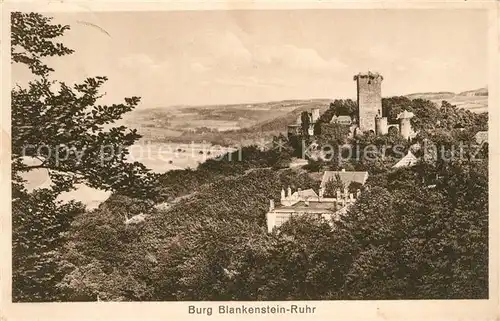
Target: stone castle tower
369,87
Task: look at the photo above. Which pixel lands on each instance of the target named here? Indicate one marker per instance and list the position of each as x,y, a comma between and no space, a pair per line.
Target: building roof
341,119
481,137
345,177
407,161
405,114
297,162
308,193
313,207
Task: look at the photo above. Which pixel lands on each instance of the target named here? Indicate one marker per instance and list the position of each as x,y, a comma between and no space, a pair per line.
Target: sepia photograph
253,155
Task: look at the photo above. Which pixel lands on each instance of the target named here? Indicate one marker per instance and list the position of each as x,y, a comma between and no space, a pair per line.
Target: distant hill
249,122
222,124
432,95
477,92
474,100
448,94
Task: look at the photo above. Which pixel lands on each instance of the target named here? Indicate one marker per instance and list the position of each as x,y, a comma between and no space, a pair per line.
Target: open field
241,124
474,100
237,124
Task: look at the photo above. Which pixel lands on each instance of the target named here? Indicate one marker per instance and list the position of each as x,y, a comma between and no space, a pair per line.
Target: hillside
243,124
474,100
219,124
477,92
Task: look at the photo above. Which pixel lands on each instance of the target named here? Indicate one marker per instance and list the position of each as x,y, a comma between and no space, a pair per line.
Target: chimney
289,192
283,196
271,205
351,197
321,192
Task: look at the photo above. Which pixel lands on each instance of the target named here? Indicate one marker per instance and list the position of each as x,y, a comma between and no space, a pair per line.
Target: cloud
383,53
143,62
296,58
198,67
222,50
433,64
251,81
225,50
231,46
219,52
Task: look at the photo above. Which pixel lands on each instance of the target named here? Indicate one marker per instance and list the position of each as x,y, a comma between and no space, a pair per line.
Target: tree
334,185
346,107
354,186
392,106
38,226
393,131
305,123
64,128
314,165
412,241
180,253
333,134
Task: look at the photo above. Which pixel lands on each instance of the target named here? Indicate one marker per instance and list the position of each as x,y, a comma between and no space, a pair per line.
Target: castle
308,202
296,129
369,117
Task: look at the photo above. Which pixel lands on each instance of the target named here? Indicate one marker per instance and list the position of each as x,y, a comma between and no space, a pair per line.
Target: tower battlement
369,75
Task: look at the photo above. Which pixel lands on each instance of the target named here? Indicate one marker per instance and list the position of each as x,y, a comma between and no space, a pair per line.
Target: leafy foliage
305,123
35,264
334,185
413,233
31,40
192,242
67,131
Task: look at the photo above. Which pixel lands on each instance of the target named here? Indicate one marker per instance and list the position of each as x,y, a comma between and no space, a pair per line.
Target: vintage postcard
281,160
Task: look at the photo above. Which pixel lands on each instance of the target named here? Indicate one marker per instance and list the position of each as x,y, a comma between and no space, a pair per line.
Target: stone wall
369,99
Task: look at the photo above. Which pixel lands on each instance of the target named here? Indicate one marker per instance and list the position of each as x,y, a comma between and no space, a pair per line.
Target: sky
219,57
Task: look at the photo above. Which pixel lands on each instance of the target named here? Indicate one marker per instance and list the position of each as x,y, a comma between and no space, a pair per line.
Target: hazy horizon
174,58
299,99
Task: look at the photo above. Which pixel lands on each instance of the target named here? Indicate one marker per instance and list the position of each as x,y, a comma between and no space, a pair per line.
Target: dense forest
414,233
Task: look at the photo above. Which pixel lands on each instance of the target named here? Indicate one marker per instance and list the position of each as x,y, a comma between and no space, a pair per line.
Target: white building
308,202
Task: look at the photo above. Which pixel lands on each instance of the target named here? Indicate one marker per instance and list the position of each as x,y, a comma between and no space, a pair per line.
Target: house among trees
342,120
482,137
408,160
347,178
337,191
